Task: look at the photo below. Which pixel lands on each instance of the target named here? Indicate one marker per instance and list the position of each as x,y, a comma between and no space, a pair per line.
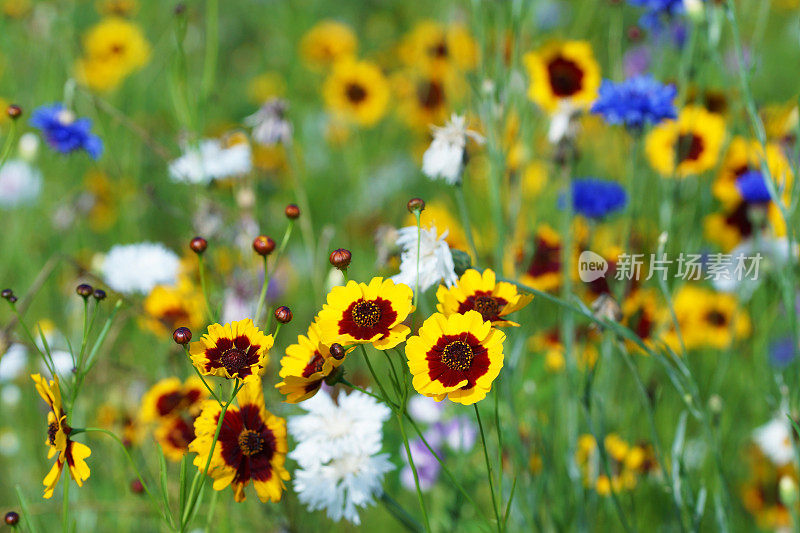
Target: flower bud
292,211
99,295
337,351
635,34
283,314
415,204
12,518
12,299
198,245
263,245
6,294
14,111
340,258
84,290
182,335
137,487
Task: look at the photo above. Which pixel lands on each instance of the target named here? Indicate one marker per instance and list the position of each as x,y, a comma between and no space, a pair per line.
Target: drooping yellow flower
360,313
251,446
113,49
357,91
484,294
687,146
168,308
235,350
456,357
326,43
563,73
435,49
68,452
306,365
169,398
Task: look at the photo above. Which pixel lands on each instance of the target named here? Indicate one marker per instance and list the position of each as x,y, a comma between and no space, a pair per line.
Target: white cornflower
338,451
435,260
775,440
133,268
444,158
211,161
269,123
20,183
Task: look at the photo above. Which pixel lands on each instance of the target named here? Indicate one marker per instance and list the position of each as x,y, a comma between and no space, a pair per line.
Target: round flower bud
137,487
415,204
263,245
180,9
14,111
182,335
292,211
283,314
337,351
12,299
99,294
340,258
6,294
84,290
12,518
198,245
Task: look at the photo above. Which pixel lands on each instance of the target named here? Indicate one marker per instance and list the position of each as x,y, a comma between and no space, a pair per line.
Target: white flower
20,183
775,439
338,451
269,123
13,362
444,158
28,146
211,161
435,260
564,125
133,268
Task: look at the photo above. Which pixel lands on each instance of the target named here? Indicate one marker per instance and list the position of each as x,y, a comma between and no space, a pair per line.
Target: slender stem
263,295
9,143
65,506
372,371
419,235
212,46
414,471
196,371
488,469
397,511
465,220
202,269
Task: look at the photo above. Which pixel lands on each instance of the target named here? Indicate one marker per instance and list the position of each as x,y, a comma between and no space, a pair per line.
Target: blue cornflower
596,198
64,133
782,352
753,188
635,102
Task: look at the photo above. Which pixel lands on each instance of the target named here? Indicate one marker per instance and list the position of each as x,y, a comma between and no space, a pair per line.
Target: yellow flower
251,446
358,91
563,73
305,366
640,313
168,308
692,143
113,49
358,313
235,350
425,99
544,269
69,452
435,49
456,357
326,43
174,435
482,293
169,398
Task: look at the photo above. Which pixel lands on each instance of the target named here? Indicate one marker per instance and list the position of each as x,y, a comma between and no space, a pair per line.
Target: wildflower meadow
393,265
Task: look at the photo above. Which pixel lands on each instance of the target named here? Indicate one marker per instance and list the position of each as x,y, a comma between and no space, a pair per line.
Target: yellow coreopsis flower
328,42
357,91
235,350
113,49
481,292
563,73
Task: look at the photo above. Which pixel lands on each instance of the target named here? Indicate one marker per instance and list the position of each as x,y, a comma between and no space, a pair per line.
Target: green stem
420,498
9,143
397,511
419,232
202,269
262,296
488,469
465,220
65,506
212,47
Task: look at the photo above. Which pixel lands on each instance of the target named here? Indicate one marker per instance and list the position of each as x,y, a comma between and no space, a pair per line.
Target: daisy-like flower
744,157
306,365
338,451
168,308
68,452
269,123
635,102
113,49
434,259
686,146
20,183
456,357
138,268
484,294
235,350
174,436
170,398
435,49
64,132
445,157
327,42
563,72
774,439
212,160
358,313
358,91
544,269
251,446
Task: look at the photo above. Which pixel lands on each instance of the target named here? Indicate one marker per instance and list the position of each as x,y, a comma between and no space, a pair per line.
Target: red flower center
565,76
355,93
250,442
52,430
690,146
457,355
487,306
314,365
366,314
233,360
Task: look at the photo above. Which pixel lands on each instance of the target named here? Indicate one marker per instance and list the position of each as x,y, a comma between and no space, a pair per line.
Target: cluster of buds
8,294
85,290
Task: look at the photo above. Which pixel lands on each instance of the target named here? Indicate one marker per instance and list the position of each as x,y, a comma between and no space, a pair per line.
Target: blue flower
596,198
753,188
635,102
64,133
782,352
